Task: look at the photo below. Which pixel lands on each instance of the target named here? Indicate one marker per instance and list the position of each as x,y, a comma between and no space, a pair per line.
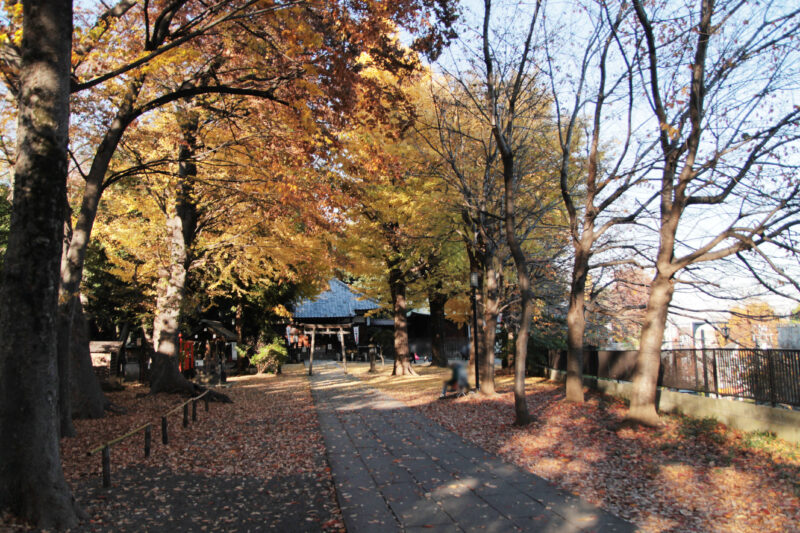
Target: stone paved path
396,470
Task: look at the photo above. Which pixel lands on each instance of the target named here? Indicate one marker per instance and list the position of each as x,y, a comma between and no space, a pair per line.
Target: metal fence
769,376
762,375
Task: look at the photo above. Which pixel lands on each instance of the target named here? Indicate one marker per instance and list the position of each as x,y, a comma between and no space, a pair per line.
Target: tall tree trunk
72,266
576,325
437,301
475,265
402,359
32,484
645,377
521,415
675,185
64,331
87,399
72,261
491,305
181,219
171,285
510,342
504,136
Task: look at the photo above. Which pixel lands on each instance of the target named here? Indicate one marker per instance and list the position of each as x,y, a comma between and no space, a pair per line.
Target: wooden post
194,410
164,436
186,415
344,355
106,467
311,355
147,438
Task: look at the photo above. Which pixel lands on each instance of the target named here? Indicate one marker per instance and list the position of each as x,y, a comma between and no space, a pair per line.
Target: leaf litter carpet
257,464
688,475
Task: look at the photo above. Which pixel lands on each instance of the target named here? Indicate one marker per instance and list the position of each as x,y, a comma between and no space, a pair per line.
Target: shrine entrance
330,325
325,339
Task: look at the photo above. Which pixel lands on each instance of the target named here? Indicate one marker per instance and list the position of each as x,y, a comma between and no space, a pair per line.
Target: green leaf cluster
270,357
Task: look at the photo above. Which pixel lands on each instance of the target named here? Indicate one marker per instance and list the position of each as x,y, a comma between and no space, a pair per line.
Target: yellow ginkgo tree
231,212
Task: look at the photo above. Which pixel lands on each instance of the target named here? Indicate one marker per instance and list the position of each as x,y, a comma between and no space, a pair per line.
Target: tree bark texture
87,398
436,301
645,377
402,359
73,259
576,326
521,415
72,267
171,286
165,377
65,357
475,265
32,484
676,152
181,225
491,307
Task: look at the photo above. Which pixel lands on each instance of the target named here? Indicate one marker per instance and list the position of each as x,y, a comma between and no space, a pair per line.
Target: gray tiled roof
339,301
221,330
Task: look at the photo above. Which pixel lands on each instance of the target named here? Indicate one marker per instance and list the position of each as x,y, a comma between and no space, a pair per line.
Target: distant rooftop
339,301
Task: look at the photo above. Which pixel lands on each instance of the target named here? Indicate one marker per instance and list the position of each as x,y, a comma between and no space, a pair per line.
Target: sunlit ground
687,475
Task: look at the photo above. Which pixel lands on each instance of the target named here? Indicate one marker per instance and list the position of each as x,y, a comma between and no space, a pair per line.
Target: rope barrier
147,428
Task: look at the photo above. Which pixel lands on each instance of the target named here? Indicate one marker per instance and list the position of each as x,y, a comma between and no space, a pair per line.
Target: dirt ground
256,464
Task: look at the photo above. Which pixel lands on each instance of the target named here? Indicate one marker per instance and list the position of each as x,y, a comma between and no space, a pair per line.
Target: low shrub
270,357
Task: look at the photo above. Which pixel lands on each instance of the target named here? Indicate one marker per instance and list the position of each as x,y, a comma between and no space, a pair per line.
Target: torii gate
325,329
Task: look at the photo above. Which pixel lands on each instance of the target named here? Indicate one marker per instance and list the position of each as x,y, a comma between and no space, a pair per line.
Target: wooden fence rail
147,428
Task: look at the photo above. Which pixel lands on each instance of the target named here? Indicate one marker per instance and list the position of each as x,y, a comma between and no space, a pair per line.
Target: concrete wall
745,416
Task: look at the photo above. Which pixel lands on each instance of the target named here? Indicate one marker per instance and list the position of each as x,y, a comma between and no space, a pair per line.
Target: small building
333,322
337,321
212,340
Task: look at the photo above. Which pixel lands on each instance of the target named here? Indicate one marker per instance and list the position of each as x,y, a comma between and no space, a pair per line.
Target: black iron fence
762,375
768,376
